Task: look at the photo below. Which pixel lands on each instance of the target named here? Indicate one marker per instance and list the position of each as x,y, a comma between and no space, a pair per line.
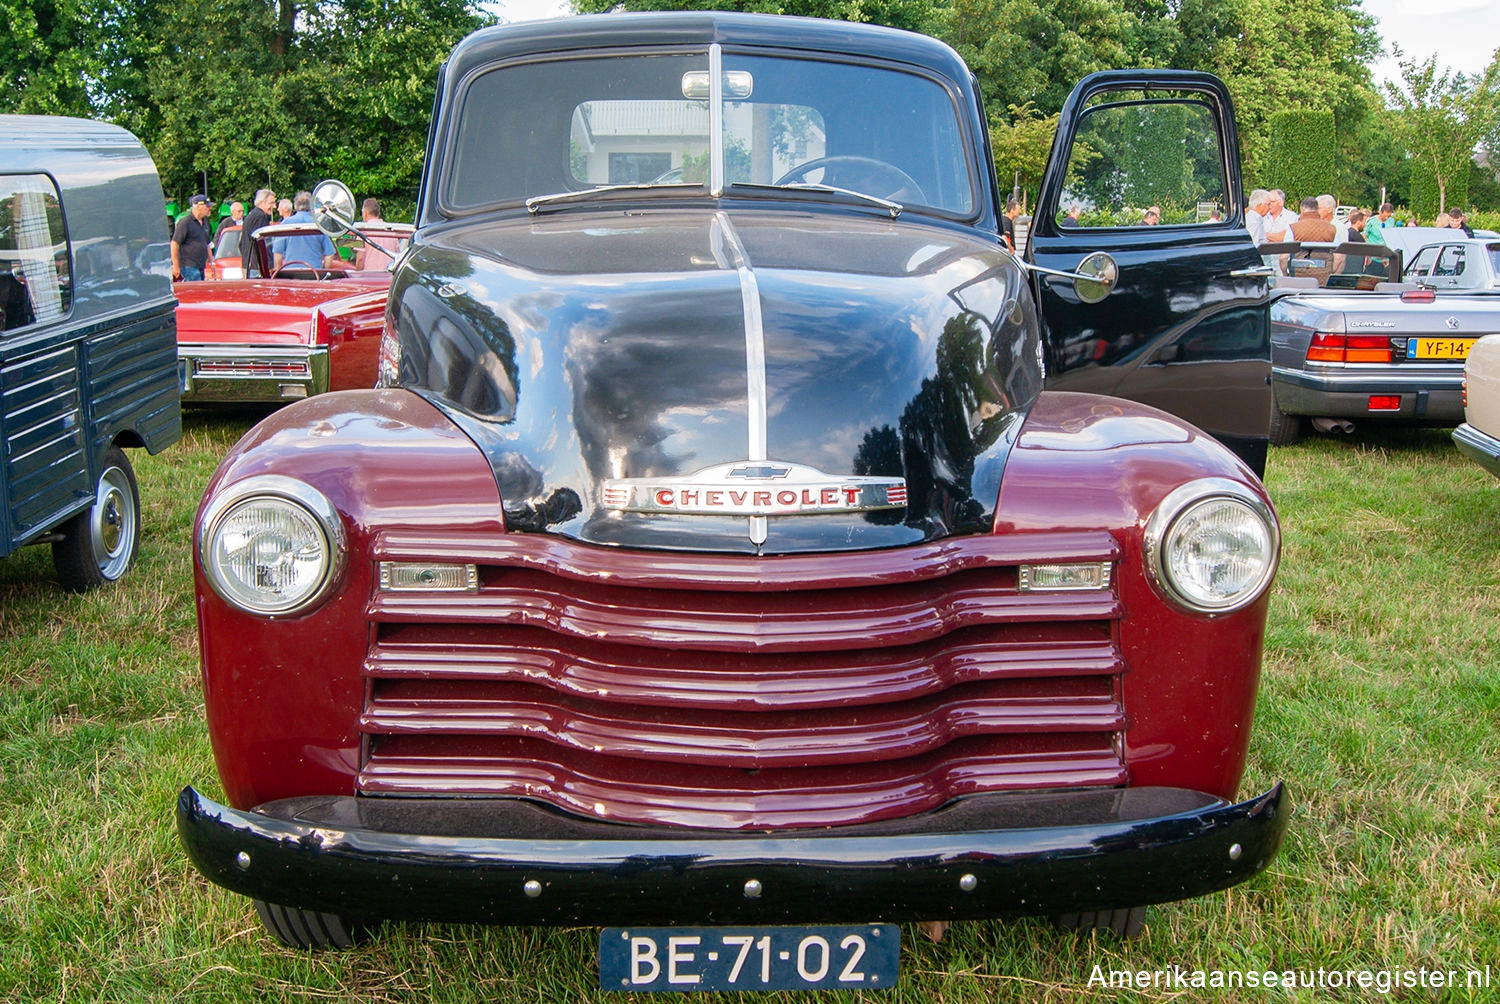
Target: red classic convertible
299,331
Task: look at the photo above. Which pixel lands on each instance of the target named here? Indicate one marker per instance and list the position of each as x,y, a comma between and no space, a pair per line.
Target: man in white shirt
1255,215
1279,218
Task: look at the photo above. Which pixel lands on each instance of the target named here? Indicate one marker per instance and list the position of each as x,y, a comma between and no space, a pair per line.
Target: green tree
1021,143
1302,144
45,57
248,92
233,110
1034,51
1441,118
1275,55
1272,54
258,91
1381,170
377,62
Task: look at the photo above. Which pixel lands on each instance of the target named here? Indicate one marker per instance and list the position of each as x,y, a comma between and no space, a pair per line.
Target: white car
1471,263
1479,437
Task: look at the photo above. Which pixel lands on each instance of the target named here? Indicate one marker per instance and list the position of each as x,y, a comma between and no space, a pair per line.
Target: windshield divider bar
716,120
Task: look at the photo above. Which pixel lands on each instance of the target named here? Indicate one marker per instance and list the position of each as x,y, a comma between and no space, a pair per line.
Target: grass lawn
1380,706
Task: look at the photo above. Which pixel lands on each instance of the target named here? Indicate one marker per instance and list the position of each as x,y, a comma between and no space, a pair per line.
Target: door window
1451,261
1421,266
1136,163
35,284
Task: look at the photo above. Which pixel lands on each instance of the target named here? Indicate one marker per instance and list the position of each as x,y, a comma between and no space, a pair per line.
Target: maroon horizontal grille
734,738
682,677
742,694
615,788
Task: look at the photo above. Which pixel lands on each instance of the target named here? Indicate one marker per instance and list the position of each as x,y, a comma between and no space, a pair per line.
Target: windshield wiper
894,208
537,202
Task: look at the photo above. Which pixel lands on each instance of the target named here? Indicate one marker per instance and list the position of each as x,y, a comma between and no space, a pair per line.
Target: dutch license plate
749,958
1438,348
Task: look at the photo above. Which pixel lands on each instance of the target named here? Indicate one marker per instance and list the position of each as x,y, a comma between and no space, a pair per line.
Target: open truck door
1143,188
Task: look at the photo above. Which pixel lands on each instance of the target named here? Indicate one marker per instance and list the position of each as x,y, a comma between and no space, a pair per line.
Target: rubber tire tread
1127,923
1284,429
73,555
308,929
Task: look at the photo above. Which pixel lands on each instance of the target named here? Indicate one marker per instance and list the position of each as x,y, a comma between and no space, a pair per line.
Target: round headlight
1212,545
271,545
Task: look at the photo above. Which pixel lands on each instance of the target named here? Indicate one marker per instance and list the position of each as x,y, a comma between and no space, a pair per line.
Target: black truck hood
602,358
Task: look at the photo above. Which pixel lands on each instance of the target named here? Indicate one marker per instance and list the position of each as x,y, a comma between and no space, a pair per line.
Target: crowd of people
193,235
1271,222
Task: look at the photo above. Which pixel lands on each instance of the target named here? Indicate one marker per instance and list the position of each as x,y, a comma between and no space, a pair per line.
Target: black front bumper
984,856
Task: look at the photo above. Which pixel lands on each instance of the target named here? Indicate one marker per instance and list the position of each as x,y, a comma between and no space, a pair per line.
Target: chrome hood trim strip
730,254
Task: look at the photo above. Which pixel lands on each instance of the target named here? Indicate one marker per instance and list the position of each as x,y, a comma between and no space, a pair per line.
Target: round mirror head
333,207
1104,272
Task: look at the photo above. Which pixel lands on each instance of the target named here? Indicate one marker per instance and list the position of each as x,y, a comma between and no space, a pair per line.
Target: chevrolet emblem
755,489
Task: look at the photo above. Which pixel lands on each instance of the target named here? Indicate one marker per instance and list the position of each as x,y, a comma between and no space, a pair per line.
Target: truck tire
308,929
1127,923
98,546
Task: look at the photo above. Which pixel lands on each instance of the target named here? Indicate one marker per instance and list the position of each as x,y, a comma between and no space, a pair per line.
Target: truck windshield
536,130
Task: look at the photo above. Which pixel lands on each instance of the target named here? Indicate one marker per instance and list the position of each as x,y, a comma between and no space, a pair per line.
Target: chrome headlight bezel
1167,518
284,491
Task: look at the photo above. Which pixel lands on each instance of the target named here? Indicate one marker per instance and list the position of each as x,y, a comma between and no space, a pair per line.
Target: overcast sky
1463,33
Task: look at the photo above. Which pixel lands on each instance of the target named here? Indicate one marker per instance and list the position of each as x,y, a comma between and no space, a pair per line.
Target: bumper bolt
532,888
967,882
242,861
1235,850
753,889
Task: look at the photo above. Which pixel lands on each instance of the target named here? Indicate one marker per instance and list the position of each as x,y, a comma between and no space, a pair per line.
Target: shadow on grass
1389,437
198,417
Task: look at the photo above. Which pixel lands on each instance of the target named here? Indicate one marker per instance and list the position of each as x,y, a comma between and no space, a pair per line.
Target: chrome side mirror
1093,279
333,207
1099,274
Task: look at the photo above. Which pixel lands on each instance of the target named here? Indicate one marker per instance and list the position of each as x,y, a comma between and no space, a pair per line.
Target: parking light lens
420,577
1091,575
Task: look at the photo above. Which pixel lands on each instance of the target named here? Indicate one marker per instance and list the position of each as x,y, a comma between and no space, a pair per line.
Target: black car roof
599,31
570,36
78,153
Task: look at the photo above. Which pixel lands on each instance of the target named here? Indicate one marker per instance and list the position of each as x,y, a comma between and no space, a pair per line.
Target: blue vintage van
88,341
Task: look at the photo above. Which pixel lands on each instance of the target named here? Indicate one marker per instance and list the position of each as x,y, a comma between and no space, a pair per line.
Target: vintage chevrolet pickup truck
713,552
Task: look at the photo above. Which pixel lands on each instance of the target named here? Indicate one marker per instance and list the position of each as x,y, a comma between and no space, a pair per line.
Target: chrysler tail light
1330,347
